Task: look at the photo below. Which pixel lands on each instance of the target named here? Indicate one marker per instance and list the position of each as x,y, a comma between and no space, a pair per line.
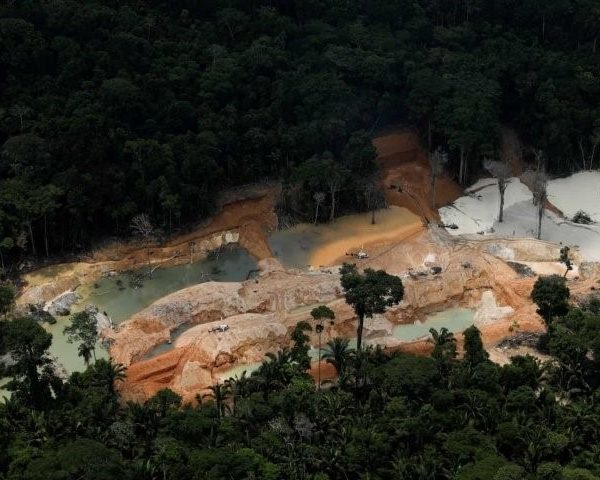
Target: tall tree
501,172
83,329
142,226
32,373
320,313
474,351
318,197
369,293
551,296
301,346
437,161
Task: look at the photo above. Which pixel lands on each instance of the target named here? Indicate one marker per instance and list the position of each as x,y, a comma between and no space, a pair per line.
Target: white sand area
478,212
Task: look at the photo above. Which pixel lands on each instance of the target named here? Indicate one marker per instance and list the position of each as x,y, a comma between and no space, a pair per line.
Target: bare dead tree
142,227
540,187
588,155
437,161
374,198
540,194
20,111
318,197
501,172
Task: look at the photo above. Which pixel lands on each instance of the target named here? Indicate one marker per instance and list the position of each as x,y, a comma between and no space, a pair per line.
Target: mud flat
308,245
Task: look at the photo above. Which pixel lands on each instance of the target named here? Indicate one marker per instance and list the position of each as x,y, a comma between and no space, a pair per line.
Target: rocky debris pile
527,339
521,269
61,305
37,313
104,324
41,294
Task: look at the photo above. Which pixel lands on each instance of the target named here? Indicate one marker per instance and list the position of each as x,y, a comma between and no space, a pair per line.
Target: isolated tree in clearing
564,258
369,293
142,226
500,171
551,294
437,160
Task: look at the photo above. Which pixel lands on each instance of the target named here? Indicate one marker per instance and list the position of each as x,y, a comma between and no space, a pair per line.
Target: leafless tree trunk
142,226
501,171
540,194
30,228
462,171
318,198
46,235
502,184
437,161
333,188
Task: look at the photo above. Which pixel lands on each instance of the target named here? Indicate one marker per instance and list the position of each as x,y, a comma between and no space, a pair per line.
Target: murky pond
66,352
119,299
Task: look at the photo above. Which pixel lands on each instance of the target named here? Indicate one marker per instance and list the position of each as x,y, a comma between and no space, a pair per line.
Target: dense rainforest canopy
386,417
110,109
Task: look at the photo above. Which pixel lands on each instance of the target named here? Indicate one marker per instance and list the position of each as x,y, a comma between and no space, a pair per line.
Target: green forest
385,416
110,109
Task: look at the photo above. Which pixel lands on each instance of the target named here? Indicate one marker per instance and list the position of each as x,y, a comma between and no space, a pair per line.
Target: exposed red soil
406,176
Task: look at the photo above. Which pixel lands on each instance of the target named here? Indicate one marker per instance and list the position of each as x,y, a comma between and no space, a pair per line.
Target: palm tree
107,373
238,388
444,350
219,393
319,314
338,353
274,372
84,351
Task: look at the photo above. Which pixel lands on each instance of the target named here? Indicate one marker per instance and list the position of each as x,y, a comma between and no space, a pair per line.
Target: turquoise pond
119,300
115,296
454,319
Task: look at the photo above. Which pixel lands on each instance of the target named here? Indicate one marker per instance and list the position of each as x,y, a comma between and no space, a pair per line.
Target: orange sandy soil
404,164
253,218
354,232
